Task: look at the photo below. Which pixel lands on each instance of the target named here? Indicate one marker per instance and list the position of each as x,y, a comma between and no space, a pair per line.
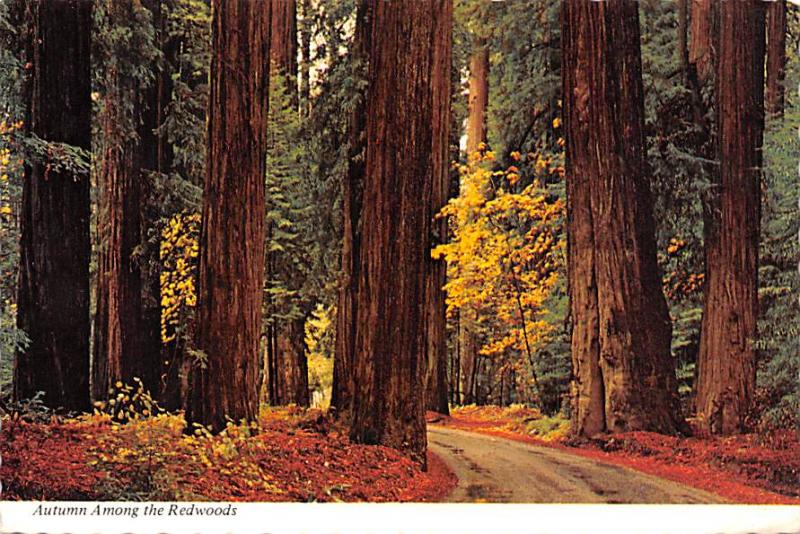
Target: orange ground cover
289,457
744,469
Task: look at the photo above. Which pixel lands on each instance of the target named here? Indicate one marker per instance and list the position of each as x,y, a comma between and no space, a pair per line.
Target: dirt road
494,469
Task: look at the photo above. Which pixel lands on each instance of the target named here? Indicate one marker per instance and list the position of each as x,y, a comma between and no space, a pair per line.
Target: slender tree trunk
701,45
352,190
478,95
683,34
223,382
53,291
290,355
407,113
623,369
305,50
776,56
476,135
469,344
127,327
727,365
283,43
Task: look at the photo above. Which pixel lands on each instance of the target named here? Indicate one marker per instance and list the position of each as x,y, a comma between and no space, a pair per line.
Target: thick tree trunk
127,329
776,56
408,80
624,374
701,44
352,190
291,365
53,291
478,95
436,308
223,382
727,365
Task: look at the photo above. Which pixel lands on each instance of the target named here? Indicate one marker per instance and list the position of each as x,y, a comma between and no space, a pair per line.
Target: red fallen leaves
90,458
748,469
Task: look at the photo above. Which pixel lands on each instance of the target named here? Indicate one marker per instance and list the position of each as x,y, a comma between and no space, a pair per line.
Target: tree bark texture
53,291
223,383
352,190
701,44
436,307
776,56
291,365
478,95
283,41
127,333
406,149
623,371
727,361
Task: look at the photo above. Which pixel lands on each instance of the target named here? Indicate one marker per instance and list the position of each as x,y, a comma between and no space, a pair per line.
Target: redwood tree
288,382
435,305
127,340
223,380
701,44
407,133
478,104
623,370
53,291
727,363
352,186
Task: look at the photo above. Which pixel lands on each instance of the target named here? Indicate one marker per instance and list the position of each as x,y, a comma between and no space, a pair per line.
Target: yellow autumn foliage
505,255
178,253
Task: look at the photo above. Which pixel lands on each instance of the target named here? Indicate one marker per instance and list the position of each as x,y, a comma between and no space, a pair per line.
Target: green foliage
779,324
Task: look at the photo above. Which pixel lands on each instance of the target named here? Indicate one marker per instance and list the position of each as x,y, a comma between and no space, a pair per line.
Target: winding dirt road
493,469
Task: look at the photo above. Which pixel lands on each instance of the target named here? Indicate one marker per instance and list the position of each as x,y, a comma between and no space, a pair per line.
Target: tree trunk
53,291
683,34
624,374
127,329
776,56
727,364
476,135
408,114
223,381
701,45
291,365
283,42
352,190
469,345
478,95
436,308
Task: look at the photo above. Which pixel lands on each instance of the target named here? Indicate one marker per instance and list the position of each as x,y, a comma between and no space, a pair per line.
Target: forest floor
748,469
289,455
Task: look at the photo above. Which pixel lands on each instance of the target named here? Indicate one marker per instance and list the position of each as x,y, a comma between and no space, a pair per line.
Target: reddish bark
231,281
352,189
701,44
727,364
406,147
624,374
127,339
